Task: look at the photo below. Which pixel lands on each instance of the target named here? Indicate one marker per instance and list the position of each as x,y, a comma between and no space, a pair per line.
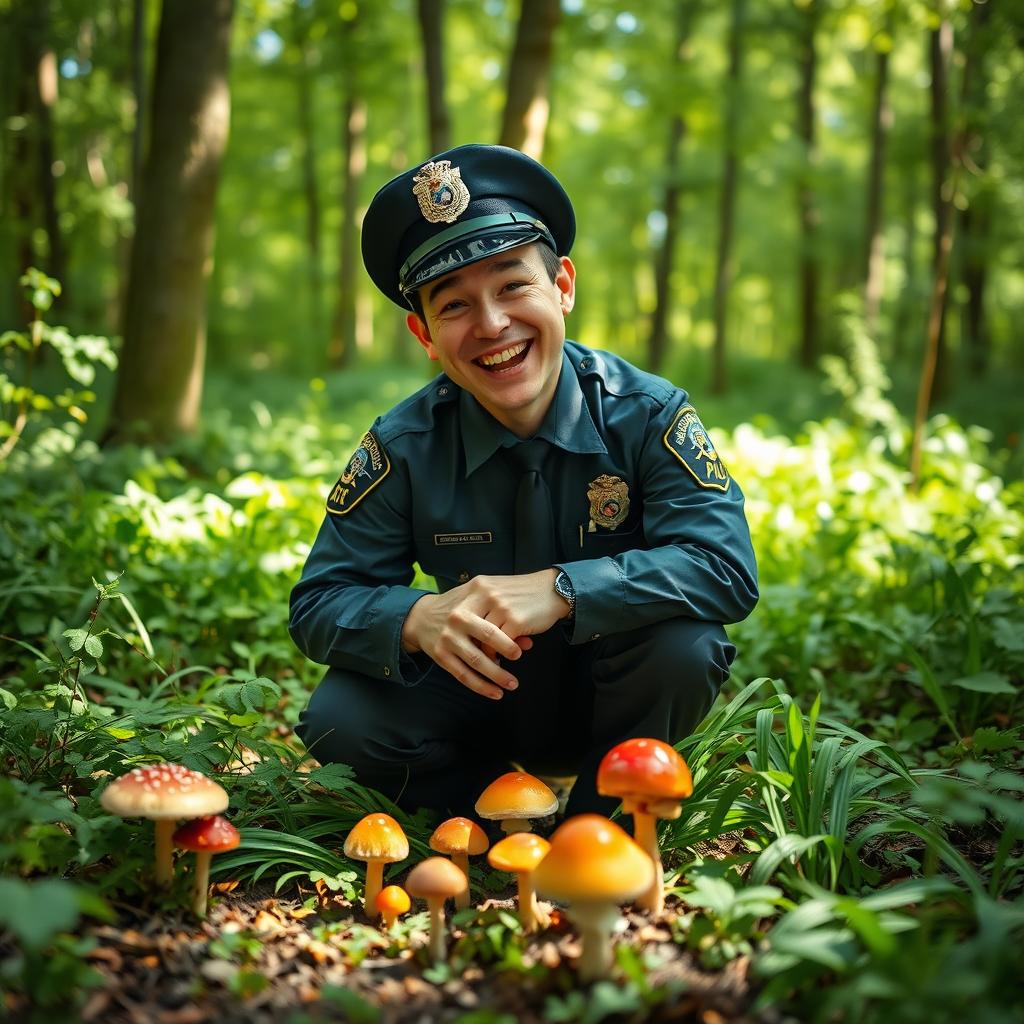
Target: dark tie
535,528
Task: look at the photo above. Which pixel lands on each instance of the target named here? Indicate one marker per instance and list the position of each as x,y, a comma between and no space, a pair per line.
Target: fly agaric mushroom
514,798
377,839
520,853
205,837
460,839
593,866
435,880
391,901
165,793
651,778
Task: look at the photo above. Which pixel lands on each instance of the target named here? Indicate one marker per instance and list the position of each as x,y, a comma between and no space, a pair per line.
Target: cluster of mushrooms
589,864
167,794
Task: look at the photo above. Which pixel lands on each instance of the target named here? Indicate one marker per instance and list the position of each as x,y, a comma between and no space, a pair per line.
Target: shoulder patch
366,468
688,441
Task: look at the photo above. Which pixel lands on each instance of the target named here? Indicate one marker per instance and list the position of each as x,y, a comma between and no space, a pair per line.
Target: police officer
587,541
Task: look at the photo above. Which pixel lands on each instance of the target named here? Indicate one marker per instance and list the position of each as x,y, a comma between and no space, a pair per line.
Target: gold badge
439,190
609,502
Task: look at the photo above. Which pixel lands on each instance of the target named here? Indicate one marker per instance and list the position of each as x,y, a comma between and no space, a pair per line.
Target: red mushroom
205,837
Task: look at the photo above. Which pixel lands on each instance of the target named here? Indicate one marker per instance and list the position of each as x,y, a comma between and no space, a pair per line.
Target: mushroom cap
592,860
207,835
435,878
644,769
394,899
516,795
459,835
377,837
164,791
519,852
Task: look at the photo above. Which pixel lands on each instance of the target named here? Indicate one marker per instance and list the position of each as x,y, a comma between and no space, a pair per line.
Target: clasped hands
467,629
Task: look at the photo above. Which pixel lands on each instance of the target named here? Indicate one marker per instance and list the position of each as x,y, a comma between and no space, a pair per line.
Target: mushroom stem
511,825
595,922
646,835
201,886
438,952
388,917
164,851
529,912
374,881
461,861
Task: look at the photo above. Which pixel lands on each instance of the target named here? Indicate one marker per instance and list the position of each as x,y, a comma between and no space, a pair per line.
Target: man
587,541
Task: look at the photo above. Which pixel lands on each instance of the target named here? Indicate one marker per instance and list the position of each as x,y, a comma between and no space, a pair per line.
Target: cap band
462,230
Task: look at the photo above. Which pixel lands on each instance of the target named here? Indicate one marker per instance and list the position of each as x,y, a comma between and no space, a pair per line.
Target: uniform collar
567,425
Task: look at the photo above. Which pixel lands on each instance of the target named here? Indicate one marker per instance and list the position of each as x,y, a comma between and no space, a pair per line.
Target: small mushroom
435,880
650,777
593,866
377,839
165,793
520,853
513,799
460,839
205,837
392,901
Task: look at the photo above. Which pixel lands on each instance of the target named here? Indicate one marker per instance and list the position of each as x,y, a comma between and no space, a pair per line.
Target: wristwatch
564,589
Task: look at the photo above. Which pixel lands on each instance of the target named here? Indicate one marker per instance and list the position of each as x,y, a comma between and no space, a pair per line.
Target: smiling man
587,541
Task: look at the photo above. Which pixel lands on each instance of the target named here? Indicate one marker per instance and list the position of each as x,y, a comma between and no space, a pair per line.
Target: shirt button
387,671
442,392
595,636
584,363
463,576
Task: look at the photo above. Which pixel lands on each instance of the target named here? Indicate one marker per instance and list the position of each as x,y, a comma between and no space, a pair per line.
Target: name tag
444,539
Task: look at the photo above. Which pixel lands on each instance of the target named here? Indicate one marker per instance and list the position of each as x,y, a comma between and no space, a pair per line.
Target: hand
467,629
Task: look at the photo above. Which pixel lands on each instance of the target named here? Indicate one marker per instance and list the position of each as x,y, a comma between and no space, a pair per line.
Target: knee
335,727
689,651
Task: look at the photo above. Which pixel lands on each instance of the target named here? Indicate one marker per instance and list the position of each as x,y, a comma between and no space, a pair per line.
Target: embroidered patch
444,539
688,441
609,502
367,467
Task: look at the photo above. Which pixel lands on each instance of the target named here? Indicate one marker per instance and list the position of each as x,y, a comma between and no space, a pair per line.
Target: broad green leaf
986,682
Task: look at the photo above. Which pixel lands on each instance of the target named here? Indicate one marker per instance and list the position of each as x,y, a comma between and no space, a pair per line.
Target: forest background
807,213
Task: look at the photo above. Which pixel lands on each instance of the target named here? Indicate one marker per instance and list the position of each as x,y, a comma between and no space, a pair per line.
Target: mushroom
391,901
435,880
593,866
650,778
514,798
460,839
377,839
205,837
165,793
520,853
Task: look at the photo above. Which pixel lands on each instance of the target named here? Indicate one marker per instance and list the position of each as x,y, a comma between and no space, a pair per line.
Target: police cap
459,207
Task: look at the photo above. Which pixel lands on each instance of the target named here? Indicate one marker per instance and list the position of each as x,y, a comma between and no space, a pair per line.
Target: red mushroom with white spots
167,794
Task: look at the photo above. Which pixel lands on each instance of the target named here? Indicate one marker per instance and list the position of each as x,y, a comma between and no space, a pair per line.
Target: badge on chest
609,502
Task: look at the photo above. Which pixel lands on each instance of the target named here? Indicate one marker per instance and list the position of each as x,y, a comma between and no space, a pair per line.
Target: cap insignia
609,502
439,189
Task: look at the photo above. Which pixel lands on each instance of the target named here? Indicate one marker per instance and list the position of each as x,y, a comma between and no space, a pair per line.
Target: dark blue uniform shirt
649,524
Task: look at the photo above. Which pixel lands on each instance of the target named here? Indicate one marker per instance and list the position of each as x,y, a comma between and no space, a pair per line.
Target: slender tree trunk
310,184
874,255
431,16
46,92
809,344
161,376
527,103
908,309
727,208
940,52
657,342
138,79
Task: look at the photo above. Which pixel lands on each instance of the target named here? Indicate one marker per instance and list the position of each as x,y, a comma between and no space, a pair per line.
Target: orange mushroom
391,901
514,798
650,777
435,880
460,839
377,839
520,853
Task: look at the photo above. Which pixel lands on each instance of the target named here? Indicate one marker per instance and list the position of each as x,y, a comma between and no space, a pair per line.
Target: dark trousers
437,744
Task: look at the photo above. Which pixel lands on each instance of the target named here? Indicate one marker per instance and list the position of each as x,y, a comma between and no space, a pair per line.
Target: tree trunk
138,81
431,15
727,208
874,254
809,345
310,184
527,103
657,342
161,376
940,51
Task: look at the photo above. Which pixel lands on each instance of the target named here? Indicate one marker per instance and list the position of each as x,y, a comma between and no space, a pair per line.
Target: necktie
535,528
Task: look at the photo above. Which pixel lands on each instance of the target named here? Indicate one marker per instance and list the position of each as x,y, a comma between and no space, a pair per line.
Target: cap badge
609,502
439,189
